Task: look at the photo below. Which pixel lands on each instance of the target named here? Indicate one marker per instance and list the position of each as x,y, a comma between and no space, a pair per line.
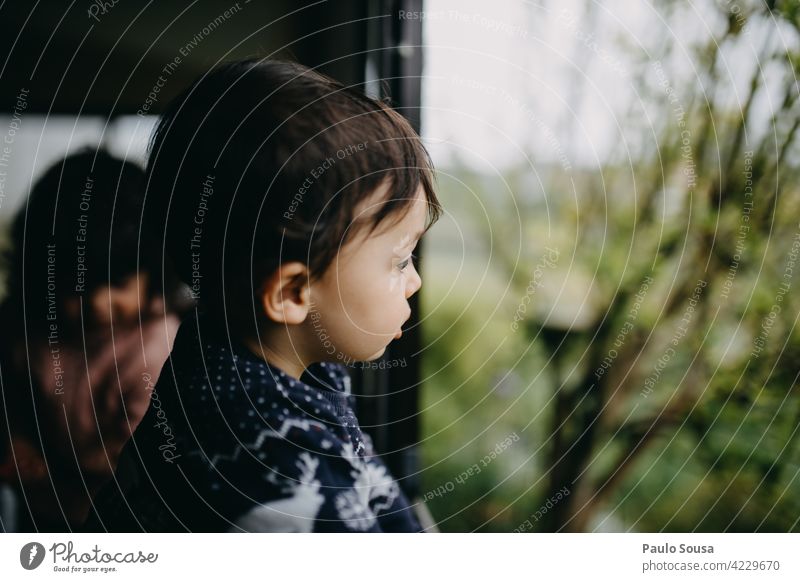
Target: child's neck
289,362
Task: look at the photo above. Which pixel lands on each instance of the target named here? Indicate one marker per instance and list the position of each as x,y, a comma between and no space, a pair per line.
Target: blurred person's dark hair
80,229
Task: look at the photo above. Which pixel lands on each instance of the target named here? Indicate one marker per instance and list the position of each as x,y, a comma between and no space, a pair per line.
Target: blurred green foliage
714,445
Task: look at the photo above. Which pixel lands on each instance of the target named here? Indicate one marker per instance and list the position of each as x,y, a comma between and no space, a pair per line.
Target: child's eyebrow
415,238
409,240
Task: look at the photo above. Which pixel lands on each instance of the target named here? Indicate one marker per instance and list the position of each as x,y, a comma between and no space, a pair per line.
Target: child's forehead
410,217
397,233
404,227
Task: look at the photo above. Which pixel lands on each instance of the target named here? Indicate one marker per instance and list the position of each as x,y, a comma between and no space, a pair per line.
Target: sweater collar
332,379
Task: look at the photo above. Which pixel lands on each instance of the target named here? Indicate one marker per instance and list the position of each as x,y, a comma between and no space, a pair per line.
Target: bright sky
512,76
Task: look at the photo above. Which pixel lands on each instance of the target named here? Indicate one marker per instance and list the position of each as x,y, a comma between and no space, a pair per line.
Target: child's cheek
396,281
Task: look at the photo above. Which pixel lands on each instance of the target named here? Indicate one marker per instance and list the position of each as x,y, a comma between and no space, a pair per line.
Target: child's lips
400,331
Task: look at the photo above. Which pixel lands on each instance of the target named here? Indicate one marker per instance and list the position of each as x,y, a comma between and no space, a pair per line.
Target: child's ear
285,295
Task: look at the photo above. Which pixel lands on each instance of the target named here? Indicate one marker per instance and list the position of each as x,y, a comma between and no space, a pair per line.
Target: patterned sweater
231,443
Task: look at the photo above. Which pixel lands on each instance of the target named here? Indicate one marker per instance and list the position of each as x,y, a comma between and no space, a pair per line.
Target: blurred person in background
85,327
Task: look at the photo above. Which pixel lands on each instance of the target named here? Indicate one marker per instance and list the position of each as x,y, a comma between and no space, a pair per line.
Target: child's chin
376,355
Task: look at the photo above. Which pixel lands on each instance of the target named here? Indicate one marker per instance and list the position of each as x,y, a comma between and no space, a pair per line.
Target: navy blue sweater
232,443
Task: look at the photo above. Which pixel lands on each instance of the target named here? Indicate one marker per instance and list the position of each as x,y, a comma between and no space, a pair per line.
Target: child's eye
403,264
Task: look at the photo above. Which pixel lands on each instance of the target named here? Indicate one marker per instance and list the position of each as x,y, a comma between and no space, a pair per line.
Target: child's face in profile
361,302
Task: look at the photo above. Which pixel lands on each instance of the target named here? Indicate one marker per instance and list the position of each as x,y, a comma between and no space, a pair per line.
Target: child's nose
414,283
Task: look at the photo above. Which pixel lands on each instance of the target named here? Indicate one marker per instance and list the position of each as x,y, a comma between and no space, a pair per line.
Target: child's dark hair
261,162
